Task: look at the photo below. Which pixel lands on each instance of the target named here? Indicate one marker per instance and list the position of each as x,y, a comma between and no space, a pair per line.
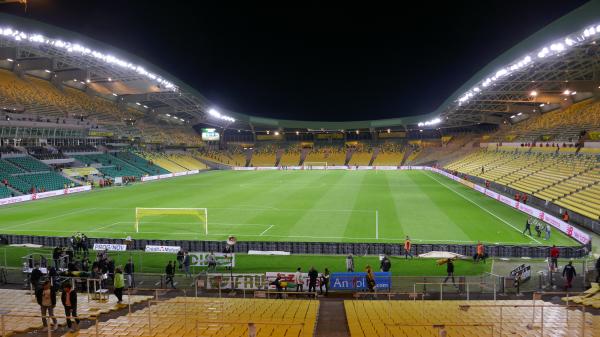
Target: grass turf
156,262
337,206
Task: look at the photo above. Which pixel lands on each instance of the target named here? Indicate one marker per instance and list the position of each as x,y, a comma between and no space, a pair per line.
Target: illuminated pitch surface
334,206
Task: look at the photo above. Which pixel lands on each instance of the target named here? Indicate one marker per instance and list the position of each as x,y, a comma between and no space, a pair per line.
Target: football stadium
142,208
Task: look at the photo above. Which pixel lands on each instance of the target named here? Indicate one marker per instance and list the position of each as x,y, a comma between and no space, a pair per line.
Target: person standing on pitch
299,280
312,279
350,263
548,232
450,271
386,264
407,247
528,226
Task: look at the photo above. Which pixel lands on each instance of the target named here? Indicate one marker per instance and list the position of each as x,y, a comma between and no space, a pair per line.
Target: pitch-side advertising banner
110,247
162,249
240,281
222,259
358,281
42,195
289,277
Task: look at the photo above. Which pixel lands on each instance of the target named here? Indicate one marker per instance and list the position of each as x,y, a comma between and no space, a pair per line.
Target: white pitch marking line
107,226
46,219
476,204
261,234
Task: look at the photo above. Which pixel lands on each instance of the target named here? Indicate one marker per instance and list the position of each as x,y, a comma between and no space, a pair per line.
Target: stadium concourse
126,194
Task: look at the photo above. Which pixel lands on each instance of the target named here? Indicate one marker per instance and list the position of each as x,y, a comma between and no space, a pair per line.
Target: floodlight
9,60
46,70
567,92
533,93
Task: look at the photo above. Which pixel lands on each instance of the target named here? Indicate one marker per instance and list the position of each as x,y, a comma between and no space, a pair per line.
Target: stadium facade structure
562,56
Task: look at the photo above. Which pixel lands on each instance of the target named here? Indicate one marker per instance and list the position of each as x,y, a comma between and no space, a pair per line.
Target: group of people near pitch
539,228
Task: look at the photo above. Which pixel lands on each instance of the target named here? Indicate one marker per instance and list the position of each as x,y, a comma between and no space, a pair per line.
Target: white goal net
200,213
317,165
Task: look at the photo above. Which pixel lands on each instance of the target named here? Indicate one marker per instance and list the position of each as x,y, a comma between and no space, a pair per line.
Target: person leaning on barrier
312,279
370,278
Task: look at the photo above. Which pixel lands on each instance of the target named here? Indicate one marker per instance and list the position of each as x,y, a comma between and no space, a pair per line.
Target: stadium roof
532,76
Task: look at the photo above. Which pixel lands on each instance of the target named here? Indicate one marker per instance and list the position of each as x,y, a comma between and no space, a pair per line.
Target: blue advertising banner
357,281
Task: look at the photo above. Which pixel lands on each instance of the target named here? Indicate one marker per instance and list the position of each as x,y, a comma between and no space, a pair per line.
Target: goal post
310,164
200,213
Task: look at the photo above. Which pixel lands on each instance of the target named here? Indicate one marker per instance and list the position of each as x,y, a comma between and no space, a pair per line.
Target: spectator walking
407,247
370,278
129,270
119,284
69,301
312,279
350,263
527,226
186,264
385,264
169,274
46,298
554,253
569,273
325,282
299,279
180,259
450,271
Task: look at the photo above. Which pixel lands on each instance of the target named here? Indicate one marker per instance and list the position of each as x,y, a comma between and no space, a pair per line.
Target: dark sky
350,62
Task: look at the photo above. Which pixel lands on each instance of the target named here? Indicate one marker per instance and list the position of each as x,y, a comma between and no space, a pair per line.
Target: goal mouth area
188,218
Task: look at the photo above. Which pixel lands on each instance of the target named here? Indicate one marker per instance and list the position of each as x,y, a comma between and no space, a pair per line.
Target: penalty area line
266,230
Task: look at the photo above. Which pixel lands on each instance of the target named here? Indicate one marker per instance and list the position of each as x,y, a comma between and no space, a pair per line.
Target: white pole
377,224
206,222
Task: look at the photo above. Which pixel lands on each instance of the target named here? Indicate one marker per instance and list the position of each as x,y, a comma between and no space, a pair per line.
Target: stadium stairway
332,320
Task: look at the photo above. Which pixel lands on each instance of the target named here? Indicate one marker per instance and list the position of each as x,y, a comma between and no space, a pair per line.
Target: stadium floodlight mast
431,122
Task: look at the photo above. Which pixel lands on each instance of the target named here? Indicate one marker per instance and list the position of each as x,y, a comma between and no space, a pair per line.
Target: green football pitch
323,206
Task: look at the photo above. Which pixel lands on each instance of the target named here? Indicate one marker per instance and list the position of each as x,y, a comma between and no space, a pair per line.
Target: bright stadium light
297,133
276,133
88,80
541,105
9,60
567,92
138,103
216,114
574,92
46,70
431,122
519,114
533,93
513,116
168,115
114,94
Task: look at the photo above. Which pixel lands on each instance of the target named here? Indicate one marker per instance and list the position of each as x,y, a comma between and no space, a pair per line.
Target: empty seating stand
182,316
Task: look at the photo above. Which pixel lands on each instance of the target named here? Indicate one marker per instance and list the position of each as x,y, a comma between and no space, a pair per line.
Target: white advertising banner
179,174
166,175
162,249
240,281
149,178
42,195
110,247
289,277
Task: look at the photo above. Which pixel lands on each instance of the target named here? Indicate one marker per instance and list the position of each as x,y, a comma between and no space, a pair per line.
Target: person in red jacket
554,253
517,197
524,198
565,216
407,247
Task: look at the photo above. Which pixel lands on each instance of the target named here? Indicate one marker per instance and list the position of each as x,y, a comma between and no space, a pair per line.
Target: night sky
312,62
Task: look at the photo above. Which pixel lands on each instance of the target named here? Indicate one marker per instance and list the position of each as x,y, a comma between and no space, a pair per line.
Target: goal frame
310,164
171,211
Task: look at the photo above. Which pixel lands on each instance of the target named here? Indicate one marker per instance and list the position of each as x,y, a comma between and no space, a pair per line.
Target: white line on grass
46,219
266,230
107,226
478,205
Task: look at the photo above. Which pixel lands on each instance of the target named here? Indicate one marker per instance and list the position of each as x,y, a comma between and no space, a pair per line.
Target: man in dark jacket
46,298
450,271
170,273
569,272
129,270
386,264
69,301
598,270
312,279
36,275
